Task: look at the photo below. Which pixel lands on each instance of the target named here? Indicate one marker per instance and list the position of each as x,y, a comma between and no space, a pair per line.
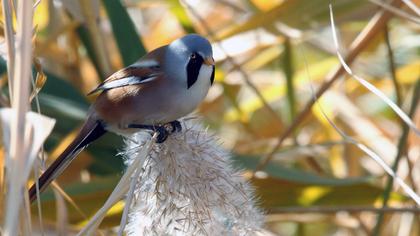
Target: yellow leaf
117,209
410,73
265,5
41,15
311,194
323,108
263,58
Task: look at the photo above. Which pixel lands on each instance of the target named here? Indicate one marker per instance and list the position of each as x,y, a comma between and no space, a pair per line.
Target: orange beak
209,61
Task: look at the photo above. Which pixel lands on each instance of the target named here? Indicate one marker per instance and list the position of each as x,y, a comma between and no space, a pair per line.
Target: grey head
185,57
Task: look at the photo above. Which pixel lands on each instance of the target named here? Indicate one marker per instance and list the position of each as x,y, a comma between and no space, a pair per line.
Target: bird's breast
194,95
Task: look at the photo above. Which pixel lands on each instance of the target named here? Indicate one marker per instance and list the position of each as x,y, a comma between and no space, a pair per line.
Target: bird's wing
145,70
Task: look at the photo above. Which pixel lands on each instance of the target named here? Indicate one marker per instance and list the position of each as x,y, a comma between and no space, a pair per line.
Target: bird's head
187,55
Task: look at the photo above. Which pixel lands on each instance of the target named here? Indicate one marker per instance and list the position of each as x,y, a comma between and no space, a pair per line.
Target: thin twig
412,180
288,68
129,199
361,146
363,225
232,5
401,147
67,197
412,6
396,11
350,209
391,62
407,189
375,25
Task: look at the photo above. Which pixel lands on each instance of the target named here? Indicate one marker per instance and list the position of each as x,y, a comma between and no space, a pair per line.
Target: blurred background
272,56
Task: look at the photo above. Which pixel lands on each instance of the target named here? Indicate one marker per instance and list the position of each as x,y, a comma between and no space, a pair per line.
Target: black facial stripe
193,69
212,75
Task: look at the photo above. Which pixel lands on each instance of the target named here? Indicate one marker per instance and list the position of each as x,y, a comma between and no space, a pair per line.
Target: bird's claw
162,134
176,126
162,130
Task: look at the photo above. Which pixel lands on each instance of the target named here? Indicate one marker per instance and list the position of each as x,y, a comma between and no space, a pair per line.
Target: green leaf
288,68
292,187
83,34
128,41
294,175
273,193
3,66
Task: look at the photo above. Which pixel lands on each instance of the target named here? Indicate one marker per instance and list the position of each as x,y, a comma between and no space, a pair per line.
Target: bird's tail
91,130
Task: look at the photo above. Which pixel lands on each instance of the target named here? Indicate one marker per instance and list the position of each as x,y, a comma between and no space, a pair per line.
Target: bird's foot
176,126
162,130
162,133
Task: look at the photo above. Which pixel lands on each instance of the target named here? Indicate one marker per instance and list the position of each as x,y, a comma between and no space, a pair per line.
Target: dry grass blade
410,192
26,216
402,144
64,195
407,189
18,143
375,25
62,214
37,130
413,195
392,66
396,11
120,190
368,85
336,209
412,6
42,127
128,201
38,200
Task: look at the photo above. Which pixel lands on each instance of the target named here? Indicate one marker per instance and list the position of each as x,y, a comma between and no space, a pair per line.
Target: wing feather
144,71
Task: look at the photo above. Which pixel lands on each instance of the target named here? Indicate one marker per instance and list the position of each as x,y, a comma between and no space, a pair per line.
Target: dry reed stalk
119,191
20,104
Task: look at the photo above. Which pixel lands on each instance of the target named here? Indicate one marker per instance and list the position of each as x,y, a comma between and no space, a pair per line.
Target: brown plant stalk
349,209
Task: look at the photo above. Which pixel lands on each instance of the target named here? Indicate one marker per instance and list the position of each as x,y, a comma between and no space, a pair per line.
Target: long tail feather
91,130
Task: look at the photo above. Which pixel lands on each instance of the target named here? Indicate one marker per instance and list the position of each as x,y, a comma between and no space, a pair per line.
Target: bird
164,85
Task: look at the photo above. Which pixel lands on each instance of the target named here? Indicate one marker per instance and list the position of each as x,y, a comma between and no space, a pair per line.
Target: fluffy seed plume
187,186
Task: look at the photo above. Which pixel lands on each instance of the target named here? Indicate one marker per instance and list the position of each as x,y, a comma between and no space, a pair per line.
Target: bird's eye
193,56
